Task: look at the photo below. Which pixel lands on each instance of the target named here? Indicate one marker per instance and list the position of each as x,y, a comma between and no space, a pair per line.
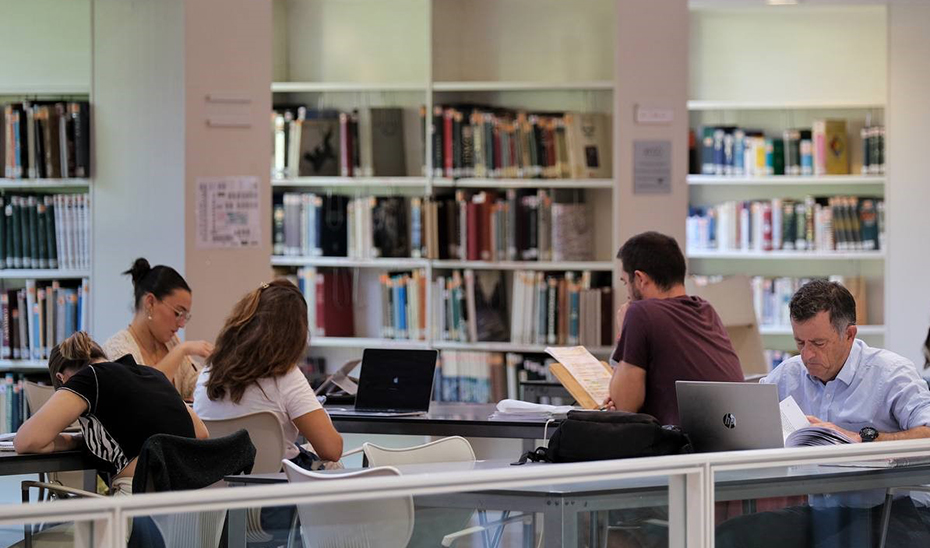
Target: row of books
823,149
328,292
41,315
564,309
837,223
403,305
45,140
517,225
13,407
50,231
772,295
365,142
487,377
491,142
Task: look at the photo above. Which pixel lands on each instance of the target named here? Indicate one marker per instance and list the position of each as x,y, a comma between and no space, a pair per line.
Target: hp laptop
394,382
730,416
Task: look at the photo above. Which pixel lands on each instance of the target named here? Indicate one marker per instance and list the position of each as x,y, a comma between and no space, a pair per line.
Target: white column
907,192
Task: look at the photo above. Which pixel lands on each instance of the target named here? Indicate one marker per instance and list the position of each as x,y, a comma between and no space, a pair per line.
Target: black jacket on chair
175,463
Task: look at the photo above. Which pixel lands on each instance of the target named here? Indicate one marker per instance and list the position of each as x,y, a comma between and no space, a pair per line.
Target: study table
468,420
12,463
562,504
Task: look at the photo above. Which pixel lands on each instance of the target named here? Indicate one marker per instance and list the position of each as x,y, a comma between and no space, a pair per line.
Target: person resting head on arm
254,368
162,301
104,397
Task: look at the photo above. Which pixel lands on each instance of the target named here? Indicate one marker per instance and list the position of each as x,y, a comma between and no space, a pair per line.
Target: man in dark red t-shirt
665,335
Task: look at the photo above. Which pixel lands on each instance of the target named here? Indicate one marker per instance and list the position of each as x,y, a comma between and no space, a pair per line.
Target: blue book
70,311
402,306
395,311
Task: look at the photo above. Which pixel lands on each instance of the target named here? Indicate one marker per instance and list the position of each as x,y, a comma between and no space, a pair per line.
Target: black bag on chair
606,435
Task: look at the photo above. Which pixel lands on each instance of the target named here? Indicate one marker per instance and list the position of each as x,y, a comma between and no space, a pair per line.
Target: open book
798,431
585,378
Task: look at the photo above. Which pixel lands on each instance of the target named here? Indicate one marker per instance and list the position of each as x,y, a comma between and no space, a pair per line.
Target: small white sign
652,167
653,115
228,214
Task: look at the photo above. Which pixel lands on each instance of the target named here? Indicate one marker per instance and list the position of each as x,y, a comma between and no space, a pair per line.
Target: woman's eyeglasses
179,314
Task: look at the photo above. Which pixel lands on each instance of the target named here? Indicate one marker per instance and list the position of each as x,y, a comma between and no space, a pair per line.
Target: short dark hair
821,295
657,255
160,281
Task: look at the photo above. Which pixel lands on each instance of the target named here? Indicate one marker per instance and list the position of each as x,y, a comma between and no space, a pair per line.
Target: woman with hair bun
162,302
105,398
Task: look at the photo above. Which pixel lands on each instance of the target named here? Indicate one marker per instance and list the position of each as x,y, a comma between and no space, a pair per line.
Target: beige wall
652,71
236,61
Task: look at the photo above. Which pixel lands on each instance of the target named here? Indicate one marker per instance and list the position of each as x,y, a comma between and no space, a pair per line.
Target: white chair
265,431
358,524
433,523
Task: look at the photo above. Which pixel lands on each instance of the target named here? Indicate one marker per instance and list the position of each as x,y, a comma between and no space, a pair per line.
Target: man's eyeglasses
179,314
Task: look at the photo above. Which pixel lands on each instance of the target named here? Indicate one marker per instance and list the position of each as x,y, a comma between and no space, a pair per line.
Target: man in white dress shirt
868,394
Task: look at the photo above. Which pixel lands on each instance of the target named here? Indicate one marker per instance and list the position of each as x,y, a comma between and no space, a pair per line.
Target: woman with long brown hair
254,368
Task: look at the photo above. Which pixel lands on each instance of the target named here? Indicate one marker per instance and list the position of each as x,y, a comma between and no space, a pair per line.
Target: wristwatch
868,434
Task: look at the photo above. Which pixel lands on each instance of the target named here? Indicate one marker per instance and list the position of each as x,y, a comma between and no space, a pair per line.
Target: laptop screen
395,380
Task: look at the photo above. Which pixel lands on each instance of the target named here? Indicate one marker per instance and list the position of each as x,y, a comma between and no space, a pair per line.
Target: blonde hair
75,352
264,336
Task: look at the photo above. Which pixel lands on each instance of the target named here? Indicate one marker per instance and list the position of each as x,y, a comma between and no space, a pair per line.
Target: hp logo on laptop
729,420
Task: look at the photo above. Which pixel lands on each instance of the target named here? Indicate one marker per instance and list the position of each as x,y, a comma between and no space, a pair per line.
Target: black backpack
606,435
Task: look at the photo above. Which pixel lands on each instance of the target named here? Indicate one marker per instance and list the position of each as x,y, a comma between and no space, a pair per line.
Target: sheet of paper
792,418
228,214
587,370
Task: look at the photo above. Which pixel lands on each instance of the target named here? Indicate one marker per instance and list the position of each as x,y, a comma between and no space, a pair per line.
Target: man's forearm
912,434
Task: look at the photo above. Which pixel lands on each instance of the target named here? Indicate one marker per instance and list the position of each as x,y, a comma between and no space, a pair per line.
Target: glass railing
744,498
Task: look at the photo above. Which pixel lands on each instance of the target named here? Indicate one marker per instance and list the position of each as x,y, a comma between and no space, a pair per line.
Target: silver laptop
730,416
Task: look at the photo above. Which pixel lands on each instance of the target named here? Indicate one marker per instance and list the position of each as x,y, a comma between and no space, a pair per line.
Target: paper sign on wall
228,214
652,167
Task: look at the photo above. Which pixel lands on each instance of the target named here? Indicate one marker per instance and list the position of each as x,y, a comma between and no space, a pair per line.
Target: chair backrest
267,437
37,395
451,449
384,523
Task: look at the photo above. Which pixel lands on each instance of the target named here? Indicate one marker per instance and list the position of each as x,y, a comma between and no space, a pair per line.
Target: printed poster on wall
228,213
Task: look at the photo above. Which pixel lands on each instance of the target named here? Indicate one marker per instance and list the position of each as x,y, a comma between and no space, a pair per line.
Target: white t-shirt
288,397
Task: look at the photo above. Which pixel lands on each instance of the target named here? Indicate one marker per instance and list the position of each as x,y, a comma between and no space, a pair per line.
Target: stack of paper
522,410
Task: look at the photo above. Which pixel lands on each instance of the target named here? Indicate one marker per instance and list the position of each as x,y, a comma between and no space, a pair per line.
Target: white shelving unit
787,180
42,274
410,53
789,255
787,91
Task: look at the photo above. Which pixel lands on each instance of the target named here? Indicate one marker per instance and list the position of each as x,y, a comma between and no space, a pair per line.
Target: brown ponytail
75,352
264,336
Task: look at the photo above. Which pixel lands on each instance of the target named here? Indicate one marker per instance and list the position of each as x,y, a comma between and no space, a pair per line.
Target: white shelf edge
802,255
387,263
45,90
24,365
785,180
786,105
349,182
474,182
595,85
524,265
42,274
508,347
779,330
34,184
315,87
364,342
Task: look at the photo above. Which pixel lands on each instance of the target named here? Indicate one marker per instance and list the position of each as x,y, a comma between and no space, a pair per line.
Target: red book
447,140
337,303
767,226
471,222
320,305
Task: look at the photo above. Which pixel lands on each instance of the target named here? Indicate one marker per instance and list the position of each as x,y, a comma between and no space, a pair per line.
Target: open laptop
394,382
730,416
